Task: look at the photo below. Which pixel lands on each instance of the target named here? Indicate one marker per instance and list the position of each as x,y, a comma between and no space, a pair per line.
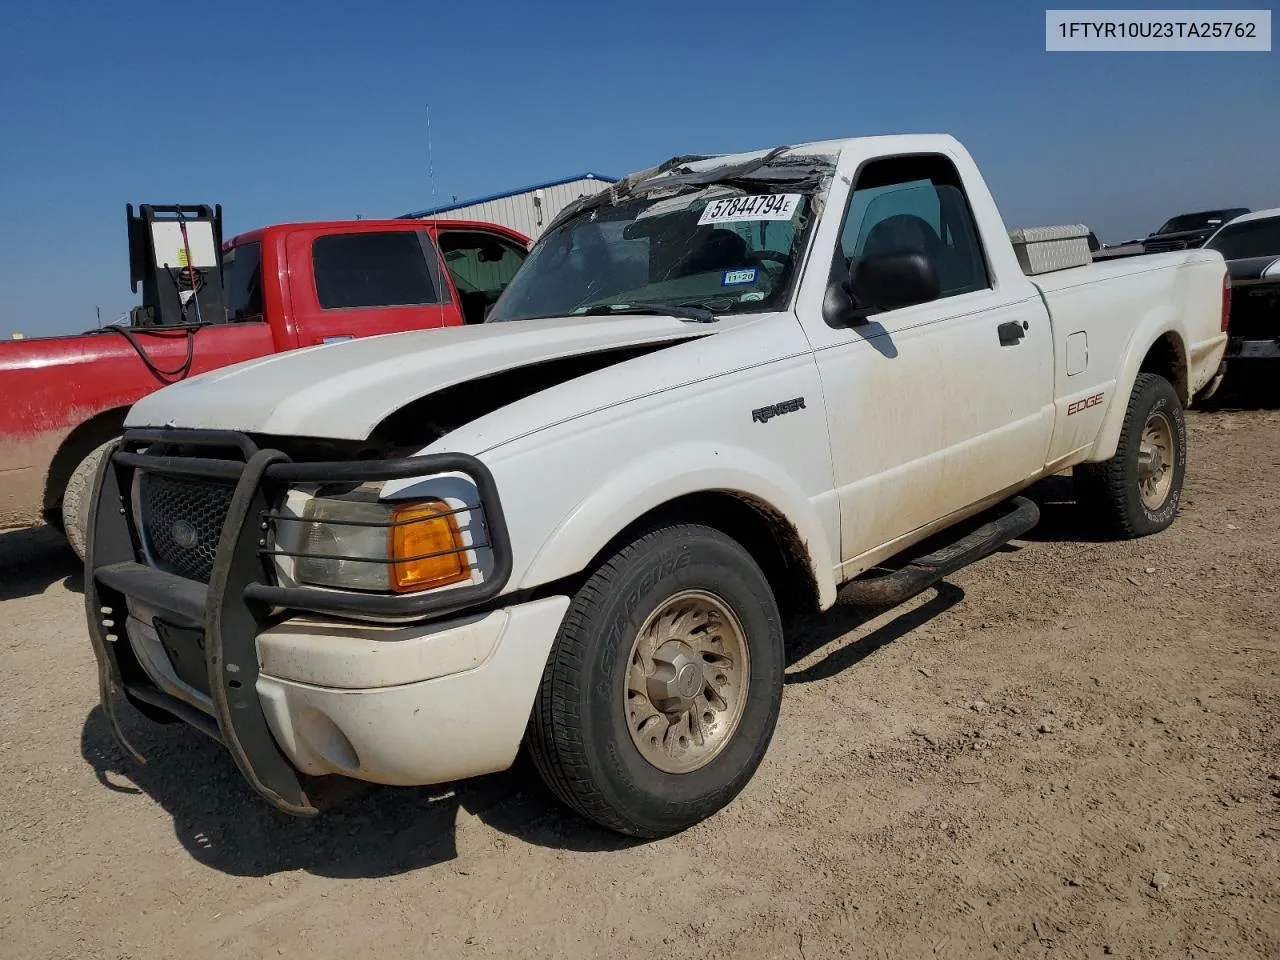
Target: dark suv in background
1189,230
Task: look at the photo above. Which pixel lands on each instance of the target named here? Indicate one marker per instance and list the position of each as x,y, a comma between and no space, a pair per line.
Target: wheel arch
1164,354
753,501
1167,356
77,444
763,531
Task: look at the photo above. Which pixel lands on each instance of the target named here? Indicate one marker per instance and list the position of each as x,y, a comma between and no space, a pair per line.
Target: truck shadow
1247,389
33,559
364,830
1061,518
368,831
841,620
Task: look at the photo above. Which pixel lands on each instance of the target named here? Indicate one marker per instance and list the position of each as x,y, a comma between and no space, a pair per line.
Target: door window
242,281
480,265
386,269
902,204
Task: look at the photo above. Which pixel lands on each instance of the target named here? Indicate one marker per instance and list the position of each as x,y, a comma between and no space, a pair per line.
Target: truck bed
1125,266
57,384
1098,309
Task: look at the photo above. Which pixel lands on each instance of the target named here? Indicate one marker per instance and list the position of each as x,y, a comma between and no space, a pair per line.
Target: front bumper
203,653
434,730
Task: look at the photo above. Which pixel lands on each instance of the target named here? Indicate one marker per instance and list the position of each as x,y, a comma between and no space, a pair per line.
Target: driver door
929,410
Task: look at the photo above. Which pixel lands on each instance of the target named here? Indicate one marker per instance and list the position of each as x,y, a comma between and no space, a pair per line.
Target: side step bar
923,572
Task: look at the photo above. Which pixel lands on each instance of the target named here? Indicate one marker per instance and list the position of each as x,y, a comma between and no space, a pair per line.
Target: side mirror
887,281
882,281
490,253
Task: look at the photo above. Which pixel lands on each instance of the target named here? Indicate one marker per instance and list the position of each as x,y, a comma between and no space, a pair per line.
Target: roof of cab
369,226
1255,215
1244,218
888,143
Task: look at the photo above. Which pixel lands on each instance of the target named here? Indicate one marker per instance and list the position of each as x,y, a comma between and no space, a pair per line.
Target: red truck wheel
76,498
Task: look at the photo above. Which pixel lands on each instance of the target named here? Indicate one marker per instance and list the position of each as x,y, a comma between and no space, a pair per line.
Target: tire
1121,492
76,498
668,583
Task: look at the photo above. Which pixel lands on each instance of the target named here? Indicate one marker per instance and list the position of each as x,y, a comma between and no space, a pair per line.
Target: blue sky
284,111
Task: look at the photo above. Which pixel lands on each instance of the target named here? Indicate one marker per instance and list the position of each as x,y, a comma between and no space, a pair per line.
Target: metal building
528,209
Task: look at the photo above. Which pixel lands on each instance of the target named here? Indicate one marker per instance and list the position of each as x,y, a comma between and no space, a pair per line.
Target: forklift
175,252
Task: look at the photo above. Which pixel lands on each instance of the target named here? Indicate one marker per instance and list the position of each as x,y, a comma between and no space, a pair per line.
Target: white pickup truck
715,396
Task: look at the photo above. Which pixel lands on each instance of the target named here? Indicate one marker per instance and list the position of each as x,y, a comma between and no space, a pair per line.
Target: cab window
916,204
373,269
480,265
242,281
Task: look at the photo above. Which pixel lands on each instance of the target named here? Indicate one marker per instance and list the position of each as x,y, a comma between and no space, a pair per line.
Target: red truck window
242,281
386,269
480,265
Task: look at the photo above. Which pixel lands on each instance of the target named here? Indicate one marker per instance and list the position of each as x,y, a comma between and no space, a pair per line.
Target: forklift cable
196,283
178,372
191,268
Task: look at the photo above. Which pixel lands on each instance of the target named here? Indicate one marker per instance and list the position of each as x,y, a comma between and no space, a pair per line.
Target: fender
1159,321
659,476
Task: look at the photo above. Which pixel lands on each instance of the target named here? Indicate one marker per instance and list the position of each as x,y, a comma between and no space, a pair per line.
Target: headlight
385,547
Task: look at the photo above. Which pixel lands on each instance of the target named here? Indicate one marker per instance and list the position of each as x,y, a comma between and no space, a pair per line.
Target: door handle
1010,333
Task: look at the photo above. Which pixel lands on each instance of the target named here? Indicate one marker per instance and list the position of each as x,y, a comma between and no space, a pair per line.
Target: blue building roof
457,205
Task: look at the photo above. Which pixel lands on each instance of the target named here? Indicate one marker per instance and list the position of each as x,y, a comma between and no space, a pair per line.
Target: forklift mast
175,252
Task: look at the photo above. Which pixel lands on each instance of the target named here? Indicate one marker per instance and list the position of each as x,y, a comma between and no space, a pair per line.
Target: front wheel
663,688
76,498
1137,491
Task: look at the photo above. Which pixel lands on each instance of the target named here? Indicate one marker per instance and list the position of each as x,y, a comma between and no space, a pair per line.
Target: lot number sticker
764,206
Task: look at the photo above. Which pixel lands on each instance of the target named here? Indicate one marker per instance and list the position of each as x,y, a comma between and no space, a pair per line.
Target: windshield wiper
682,311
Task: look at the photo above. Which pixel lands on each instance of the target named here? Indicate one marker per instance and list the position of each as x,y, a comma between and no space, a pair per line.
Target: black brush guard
241,595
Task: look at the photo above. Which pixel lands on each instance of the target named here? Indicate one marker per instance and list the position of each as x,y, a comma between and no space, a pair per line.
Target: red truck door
363,279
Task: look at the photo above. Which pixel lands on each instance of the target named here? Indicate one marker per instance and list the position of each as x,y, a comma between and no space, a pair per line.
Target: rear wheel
77,497
1137,491
662,691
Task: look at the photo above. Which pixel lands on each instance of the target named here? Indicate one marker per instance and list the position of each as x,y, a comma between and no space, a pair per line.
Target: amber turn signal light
426,547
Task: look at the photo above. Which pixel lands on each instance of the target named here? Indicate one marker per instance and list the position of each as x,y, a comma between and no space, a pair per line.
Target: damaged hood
343,390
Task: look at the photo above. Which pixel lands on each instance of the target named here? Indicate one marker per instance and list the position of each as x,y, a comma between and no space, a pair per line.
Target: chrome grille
181,520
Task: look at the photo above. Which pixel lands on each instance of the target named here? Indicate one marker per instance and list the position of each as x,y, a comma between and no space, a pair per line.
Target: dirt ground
1071,748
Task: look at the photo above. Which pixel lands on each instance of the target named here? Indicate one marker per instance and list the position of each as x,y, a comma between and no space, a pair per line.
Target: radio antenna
442,282
431,165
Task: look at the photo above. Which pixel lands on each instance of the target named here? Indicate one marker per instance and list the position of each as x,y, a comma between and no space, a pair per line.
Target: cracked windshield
702,252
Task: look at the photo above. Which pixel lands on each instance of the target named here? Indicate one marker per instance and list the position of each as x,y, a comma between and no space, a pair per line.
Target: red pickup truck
286,286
